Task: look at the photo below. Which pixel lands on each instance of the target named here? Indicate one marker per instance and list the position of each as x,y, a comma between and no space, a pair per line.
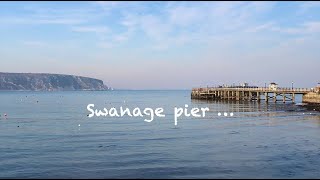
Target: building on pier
273,86
244,84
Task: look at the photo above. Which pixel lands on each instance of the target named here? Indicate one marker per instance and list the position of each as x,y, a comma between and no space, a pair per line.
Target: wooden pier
248,93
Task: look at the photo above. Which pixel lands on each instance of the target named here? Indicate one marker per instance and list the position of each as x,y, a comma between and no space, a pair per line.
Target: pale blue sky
164,45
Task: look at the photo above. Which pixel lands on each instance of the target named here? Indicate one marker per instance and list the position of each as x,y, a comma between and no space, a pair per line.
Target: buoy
5,114
79,125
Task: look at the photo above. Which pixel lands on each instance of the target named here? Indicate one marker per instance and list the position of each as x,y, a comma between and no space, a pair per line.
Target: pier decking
248,93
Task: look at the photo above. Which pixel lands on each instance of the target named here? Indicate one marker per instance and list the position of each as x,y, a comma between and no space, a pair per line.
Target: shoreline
312,106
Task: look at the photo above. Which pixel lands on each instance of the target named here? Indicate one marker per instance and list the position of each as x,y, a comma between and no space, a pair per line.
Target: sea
49,135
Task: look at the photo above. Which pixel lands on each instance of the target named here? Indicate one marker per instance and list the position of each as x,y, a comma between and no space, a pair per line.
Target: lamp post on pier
292,85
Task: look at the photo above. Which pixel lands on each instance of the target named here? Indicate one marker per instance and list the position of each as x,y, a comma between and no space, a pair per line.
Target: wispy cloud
91,29
176,25
308,5
304,28
35,43
266,26
221,35
37,14
39,20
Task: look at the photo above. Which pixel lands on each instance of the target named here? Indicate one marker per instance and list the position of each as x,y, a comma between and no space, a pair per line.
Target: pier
266,94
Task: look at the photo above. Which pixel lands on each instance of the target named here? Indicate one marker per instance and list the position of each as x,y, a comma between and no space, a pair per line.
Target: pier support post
266,95
243,95
293,97
237,95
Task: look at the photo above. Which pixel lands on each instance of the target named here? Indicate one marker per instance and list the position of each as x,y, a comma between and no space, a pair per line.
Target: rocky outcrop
48,82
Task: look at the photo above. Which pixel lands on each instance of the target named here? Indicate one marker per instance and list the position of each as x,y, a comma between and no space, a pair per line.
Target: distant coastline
49,82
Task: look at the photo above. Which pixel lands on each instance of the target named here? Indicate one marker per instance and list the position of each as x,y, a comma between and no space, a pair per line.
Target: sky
164,45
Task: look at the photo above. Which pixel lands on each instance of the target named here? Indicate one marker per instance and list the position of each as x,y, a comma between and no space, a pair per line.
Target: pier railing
257,89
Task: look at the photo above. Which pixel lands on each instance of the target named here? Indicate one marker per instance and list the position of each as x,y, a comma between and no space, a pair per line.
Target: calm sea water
41,138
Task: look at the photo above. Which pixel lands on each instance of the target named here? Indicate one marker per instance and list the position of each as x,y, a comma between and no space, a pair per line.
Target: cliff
48,82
